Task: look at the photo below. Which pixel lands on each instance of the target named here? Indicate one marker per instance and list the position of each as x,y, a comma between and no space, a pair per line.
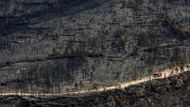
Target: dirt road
167,72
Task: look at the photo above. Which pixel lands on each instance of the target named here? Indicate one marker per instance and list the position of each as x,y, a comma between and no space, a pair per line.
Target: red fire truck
159,74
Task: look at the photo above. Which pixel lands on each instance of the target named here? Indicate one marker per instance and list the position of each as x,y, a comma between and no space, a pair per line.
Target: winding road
121,85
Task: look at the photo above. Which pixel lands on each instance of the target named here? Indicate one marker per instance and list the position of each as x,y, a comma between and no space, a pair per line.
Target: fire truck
159,74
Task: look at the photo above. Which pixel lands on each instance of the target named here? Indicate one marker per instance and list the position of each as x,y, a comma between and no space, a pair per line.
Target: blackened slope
12,24
72,45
